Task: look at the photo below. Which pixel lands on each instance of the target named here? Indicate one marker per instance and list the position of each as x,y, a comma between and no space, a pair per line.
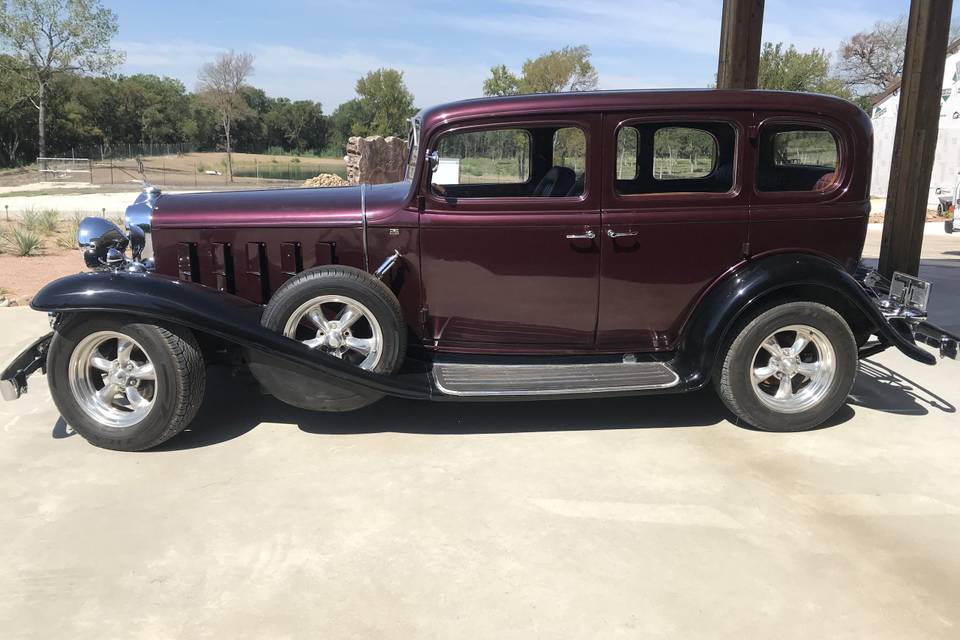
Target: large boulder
375,159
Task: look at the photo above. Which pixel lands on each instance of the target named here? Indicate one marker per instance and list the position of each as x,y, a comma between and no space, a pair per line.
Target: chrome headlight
137,220
102,242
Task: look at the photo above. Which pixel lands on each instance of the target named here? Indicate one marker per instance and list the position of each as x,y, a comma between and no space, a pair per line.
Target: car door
674,220
509,246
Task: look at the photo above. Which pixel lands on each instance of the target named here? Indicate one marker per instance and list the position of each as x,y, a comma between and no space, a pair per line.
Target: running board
461,379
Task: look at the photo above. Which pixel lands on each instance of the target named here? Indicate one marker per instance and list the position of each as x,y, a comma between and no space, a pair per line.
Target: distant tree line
86,112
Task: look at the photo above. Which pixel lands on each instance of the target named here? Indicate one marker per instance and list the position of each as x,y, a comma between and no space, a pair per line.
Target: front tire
122,384
790,368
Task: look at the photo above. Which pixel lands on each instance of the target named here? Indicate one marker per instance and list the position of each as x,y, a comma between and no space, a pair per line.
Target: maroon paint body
497,275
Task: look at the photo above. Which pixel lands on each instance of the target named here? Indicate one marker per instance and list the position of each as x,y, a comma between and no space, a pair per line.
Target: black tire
180,379
733,380
349,283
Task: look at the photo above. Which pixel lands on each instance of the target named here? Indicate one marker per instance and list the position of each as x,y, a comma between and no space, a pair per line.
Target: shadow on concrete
233,406
881,388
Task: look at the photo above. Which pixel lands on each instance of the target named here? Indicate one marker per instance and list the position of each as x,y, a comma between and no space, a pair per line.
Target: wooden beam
740,30
918,121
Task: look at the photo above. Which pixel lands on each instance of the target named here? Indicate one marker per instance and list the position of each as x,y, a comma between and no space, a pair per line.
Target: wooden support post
918,121
741,28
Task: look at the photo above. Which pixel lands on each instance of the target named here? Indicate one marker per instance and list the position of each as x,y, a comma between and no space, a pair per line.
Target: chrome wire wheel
112,379
339,326
793,369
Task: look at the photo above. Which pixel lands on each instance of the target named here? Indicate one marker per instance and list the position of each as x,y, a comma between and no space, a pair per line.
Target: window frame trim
732,119
589,125
842,172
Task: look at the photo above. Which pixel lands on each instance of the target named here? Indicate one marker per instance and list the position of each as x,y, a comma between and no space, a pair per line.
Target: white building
946,164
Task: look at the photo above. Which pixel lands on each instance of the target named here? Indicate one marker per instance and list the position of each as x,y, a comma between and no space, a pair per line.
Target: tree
566,69
790,70
502,82
47,38
221,85
871,60
340,125
385,102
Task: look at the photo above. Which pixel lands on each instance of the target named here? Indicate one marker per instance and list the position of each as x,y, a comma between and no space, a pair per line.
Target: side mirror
433,157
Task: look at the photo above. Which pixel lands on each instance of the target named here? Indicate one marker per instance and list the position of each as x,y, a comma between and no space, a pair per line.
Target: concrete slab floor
644,517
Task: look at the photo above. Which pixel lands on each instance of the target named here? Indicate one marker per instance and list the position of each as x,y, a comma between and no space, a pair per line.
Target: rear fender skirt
158,297
725,303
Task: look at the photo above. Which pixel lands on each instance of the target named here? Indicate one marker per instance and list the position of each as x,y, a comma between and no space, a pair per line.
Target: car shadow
233,406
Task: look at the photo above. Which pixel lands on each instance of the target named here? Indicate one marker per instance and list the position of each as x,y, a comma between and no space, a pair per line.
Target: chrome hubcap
339,326
793,369
112,379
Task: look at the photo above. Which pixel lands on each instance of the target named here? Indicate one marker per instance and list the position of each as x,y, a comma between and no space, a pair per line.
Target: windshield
413,146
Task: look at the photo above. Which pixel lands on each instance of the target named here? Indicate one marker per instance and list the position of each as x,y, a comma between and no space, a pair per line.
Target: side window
535,162
675,158
796,157
681,153
500,156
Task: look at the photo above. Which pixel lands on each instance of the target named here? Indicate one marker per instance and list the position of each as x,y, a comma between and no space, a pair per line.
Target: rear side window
797,157
675,158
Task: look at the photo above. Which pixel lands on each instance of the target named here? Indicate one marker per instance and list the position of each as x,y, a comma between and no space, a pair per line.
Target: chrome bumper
909,321
13,380
933,336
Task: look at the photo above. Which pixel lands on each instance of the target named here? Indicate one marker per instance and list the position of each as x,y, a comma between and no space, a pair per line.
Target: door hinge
421,203
746,249
424,312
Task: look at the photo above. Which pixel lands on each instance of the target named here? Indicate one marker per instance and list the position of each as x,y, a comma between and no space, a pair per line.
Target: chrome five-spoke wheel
793,369
339,326
112,379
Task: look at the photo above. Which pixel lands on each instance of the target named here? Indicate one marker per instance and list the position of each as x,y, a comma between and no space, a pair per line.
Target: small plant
25,242
69,238
42,223
201,168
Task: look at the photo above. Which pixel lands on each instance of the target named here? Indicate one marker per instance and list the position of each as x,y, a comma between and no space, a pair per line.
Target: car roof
625,100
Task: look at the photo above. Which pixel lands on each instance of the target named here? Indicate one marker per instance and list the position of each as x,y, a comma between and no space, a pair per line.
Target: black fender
228,317
707,329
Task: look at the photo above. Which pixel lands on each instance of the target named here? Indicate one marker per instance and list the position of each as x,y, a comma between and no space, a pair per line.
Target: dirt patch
21,278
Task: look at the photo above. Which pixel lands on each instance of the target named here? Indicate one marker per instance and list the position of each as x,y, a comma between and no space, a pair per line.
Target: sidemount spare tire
344,312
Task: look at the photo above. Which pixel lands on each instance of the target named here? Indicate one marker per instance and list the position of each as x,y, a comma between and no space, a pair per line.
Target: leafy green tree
47,38
386,104
787,69
340,125
16,114
502,82
566,69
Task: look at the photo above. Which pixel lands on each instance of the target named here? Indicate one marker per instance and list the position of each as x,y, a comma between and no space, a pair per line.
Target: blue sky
317,50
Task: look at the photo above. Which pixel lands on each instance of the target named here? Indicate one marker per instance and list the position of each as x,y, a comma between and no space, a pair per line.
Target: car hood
328,206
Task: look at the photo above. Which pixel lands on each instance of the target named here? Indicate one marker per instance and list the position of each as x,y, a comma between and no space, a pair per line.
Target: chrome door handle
621,234
589,235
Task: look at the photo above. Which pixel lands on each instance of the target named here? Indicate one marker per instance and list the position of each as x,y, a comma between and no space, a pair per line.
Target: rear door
674,220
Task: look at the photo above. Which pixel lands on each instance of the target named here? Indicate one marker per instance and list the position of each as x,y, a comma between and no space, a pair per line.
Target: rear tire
122,384
764,383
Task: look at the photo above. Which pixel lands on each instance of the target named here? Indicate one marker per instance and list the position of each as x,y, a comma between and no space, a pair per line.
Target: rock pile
375,159
325,180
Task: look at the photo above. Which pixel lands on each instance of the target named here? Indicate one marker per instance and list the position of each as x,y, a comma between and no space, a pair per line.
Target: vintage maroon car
581,244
